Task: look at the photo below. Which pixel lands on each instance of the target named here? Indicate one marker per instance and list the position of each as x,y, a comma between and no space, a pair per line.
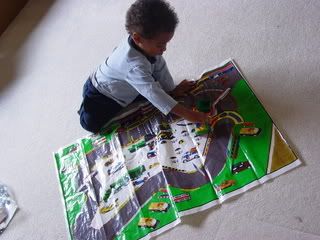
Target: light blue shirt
128,73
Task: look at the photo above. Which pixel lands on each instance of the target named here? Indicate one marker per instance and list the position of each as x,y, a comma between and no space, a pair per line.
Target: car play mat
139,175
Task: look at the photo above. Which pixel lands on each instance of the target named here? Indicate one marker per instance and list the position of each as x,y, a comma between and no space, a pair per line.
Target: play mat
139,175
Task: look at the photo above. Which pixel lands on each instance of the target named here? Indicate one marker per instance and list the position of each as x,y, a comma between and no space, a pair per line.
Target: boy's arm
162,74
192,116
140,78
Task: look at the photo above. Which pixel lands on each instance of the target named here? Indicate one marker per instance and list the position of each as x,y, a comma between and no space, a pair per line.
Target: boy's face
155,46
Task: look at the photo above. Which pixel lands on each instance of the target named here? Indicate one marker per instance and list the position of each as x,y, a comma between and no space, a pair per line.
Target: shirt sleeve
140,77
162,74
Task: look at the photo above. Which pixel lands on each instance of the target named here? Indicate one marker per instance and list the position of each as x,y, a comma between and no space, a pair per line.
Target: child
136,69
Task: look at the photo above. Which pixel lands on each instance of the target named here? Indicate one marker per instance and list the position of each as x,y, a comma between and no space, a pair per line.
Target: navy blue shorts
97,109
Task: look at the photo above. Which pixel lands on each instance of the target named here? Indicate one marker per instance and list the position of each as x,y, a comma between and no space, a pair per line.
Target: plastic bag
8,207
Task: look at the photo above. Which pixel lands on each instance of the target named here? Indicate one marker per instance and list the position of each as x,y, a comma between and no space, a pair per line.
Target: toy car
151,154
106,209
136,146
148,222
107,194
165,136
163,190
108,162
118,185
240,167
159,207
135,173
139,181
154,165
190,155
249,131
226,184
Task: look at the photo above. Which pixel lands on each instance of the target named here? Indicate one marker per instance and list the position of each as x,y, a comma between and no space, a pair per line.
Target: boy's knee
88,124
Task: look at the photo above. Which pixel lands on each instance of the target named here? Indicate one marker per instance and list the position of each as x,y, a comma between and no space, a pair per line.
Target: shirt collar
152,60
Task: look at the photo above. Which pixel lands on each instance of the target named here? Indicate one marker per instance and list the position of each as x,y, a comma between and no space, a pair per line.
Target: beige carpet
52,46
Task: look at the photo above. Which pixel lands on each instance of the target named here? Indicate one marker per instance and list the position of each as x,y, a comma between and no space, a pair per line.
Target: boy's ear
136,37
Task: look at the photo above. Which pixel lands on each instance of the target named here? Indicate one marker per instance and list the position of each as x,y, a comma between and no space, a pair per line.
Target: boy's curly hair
151,17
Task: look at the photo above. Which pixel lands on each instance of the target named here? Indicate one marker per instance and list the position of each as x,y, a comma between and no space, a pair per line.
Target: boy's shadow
13,38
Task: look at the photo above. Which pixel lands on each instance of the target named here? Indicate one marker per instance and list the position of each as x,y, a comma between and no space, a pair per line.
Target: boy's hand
192,116
182,88
199,117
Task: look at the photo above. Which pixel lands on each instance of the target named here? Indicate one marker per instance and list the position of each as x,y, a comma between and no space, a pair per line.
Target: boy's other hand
183,88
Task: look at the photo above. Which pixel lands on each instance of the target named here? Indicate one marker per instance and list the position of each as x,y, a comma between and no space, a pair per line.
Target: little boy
136,69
